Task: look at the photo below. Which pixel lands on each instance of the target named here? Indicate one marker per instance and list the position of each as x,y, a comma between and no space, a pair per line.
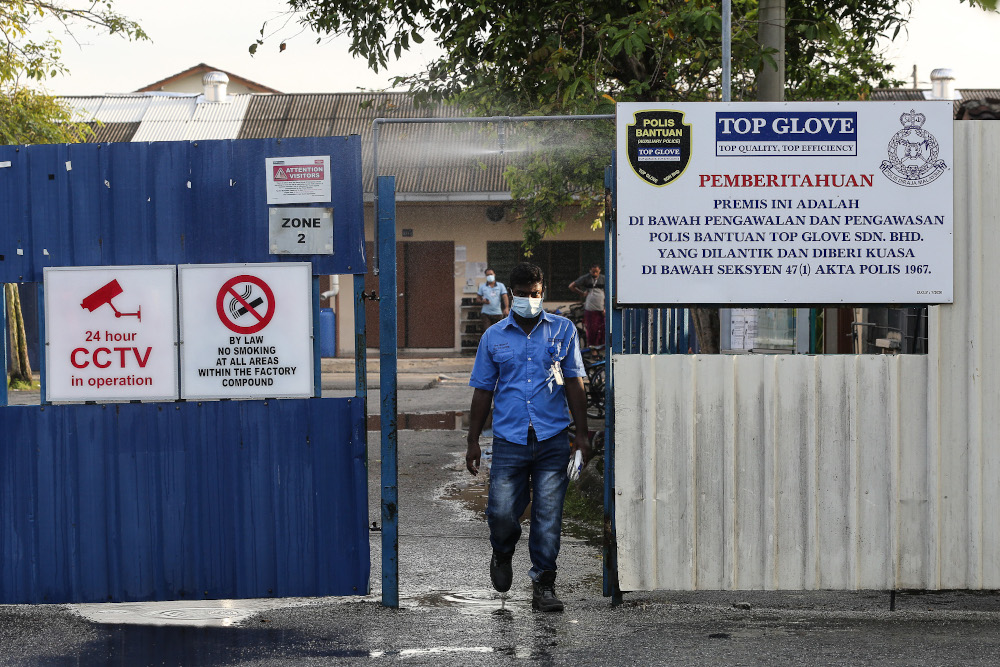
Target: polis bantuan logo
913,153
659,146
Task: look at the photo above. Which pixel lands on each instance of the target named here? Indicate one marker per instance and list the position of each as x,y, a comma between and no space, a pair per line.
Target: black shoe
543,594
500,571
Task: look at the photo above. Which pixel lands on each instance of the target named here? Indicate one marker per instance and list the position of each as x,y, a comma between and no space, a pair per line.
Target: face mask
491,278
527,307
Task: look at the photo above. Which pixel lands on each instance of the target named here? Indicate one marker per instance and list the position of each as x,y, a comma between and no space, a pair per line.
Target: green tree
555,57
32,53
28,56
566,57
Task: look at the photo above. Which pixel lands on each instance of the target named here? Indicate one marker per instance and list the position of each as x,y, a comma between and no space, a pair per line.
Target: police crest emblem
659,146
913,153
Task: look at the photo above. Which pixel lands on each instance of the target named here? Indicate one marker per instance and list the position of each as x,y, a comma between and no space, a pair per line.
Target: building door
425,295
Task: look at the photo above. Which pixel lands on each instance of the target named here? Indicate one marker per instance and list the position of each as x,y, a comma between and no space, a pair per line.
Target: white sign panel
110,333
298,180
246,330
300,231
800,203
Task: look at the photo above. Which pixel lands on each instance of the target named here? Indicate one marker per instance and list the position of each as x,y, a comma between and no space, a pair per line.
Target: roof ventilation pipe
215,84
941,84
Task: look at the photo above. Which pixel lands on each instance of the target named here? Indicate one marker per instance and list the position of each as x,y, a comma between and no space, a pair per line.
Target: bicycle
594,365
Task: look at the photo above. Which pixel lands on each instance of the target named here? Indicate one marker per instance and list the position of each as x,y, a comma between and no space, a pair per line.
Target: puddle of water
441,650
453,420
487,603
465,599
472,495
129,645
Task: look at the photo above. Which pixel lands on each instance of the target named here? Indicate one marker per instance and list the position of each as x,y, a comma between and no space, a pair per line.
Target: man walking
529,367
493,297
591,287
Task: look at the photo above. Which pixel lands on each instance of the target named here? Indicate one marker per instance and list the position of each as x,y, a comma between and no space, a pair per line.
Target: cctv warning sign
110,333
298,180
246,330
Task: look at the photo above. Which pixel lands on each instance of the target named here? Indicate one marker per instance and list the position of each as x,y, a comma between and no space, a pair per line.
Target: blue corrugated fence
179,500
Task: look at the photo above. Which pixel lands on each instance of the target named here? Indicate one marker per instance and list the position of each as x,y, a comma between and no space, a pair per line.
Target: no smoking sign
246,330
245,304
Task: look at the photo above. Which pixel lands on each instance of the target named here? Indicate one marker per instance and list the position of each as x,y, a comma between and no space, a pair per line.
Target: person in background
591,287
494,300
529,368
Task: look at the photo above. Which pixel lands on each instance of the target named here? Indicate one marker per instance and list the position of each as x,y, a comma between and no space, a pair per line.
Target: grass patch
21,385
583,517
581,508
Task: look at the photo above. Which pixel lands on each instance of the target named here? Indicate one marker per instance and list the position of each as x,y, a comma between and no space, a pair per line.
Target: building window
562,262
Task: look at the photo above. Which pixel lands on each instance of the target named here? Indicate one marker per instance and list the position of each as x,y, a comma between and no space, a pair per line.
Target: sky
219,33
942,33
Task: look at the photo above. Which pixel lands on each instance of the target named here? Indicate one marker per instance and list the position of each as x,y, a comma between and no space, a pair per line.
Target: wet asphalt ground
449,615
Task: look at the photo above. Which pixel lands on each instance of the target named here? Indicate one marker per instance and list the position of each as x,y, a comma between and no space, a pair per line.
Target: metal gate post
3,342
386,221
360,350
361,370
42,348
612,323
317,354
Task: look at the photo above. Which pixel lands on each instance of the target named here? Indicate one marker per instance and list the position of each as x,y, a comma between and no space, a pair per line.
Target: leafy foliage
26,115
564,57
31,117
555,57
27,57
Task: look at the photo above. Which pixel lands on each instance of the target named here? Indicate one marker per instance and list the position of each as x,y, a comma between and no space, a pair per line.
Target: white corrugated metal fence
826,472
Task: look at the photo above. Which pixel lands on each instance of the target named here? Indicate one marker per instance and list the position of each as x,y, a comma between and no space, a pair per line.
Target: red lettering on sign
98,351
102,356
142,360
72,357
299,172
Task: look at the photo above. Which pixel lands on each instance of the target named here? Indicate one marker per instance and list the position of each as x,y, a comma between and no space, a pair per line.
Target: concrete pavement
413,372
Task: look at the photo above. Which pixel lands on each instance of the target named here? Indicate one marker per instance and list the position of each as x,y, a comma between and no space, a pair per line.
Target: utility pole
771,34
771,80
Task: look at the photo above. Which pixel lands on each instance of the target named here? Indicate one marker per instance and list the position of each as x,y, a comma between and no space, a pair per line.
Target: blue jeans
514,467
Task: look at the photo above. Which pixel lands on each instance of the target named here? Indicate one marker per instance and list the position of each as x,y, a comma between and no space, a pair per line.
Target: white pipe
334,288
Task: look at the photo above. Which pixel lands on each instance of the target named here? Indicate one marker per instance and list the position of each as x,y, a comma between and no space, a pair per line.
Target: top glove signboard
784,203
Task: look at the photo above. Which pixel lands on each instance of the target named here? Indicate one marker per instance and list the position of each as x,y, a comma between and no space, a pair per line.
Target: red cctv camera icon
103,296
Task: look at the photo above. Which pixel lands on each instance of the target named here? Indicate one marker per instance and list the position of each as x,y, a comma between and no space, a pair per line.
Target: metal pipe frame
42,354
727,50
611,588
461,119
317,354
4,336
386,220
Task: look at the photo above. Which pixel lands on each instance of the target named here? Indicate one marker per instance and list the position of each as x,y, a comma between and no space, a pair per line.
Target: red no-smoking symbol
245,299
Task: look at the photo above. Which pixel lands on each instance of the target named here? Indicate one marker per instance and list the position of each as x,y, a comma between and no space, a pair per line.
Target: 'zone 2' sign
301,231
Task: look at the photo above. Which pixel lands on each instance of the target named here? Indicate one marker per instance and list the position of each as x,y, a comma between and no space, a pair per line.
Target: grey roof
163,117
979,93
899,95
425,158
110,132
985,108
970,104
433,161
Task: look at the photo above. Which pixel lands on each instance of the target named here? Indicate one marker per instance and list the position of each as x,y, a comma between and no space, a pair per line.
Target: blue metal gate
207,499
